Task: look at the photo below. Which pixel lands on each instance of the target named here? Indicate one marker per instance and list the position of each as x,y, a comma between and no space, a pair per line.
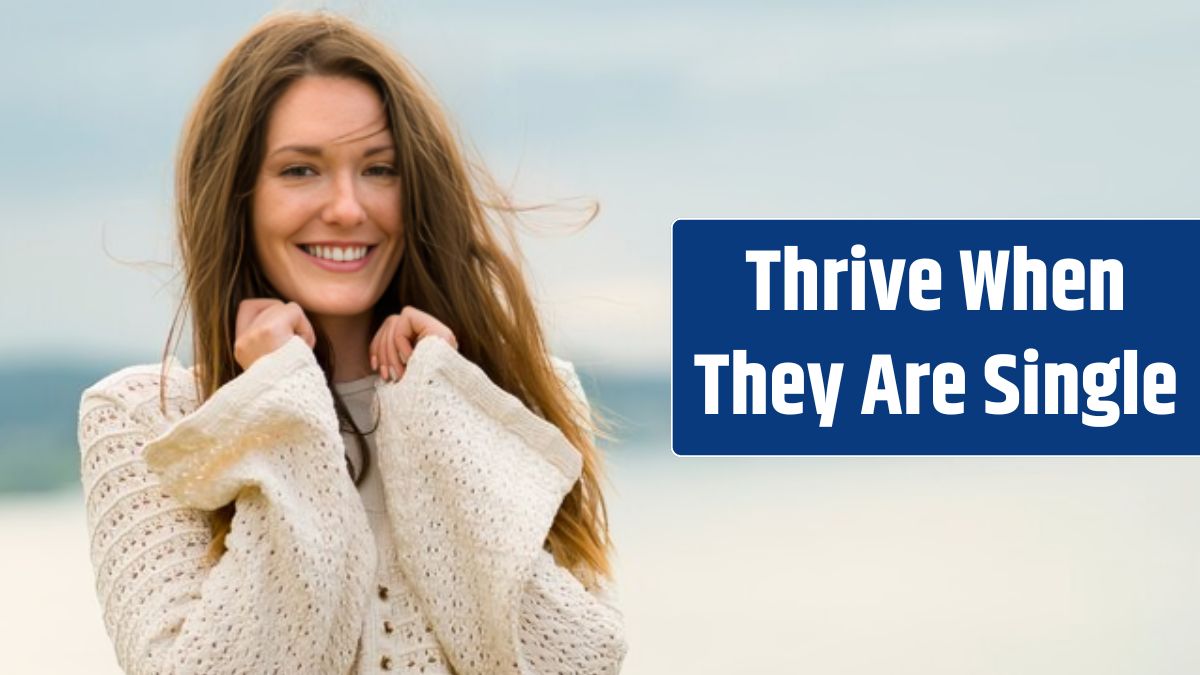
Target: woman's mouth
350,258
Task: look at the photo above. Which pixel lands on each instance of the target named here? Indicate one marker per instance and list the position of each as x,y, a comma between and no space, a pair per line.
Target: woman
351,478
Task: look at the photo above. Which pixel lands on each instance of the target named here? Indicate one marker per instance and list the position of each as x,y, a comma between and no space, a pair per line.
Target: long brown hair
460,263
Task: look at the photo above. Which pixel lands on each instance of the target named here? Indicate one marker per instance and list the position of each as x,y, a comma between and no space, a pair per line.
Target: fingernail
374,364
394,375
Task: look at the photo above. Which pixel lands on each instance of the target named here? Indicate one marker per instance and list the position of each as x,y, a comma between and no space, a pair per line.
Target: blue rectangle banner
834,337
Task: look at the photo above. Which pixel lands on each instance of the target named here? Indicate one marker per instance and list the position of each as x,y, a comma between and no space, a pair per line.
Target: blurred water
855,566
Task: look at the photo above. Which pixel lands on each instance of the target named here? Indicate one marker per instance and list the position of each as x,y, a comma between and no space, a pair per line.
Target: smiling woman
349,300
326,213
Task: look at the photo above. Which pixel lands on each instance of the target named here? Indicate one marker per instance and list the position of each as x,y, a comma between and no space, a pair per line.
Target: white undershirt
359,397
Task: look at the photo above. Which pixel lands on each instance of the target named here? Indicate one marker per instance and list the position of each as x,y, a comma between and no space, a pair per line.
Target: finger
396,340
373,350
381,350
444,333
249,310
408,336
422,325
393,368
276,321
381,347
302,326
438,330
413,324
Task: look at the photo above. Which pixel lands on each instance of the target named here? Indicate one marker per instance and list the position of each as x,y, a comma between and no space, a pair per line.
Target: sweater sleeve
474,480
289,592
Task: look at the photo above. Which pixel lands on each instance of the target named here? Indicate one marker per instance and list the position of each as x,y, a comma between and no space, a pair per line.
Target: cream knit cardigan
472,481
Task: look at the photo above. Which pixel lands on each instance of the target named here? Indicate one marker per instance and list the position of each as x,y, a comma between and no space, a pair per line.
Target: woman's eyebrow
378,149
316,151
302,149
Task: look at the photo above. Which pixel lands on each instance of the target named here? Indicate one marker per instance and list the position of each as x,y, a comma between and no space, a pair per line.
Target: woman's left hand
398,336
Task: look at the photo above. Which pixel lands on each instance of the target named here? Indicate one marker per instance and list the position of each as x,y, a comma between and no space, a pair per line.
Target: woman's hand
398,336
264,325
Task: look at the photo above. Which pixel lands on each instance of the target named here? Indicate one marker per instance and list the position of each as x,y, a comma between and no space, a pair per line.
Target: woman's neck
350,338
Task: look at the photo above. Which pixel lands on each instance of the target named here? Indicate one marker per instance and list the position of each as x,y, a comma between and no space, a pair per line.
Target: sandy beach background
848,566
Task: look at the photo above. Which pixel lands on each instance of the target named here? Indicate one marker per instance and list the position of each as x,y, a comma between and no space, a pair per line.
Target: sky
656,112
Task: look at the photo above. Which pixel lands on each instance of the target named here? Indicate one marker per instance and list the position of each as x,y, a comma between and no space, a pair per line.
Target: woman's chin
337,307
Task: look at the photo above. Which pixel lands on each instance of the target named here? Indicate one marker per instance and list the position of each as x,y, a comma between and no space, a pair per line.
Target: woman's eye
381,170
297,171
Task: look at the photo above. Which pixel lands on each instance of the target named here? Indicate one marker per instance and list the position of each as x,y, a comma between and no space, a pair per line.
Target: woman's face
326,212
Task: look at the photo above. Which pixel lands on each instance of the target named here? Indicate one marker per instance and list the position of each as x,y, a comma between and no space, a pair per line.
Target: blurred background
819,109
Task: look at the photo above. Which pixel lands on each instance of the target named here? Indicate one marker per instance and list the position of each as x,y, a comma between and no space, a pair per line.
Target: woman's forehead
326,113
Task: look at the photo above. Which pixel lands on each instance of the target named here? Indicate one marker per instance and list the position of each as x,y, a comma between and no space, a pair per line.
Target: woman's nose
344,208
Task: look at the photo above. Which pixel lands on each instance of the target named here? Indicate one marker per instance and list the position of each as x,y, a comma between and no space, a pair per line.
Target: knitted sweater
472,482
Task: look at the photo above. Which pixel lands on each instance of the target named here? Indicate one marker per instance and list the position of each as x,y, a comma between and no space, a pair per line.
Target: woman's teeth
336,253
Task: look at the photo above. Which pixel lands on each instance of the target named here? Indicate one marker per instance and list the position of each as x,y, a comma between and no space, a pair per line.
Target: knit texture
472,482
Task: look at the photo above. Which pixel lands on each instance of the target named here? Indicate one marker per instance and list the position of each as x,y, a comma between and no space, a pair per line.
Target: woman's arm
566,628
288,594
474,480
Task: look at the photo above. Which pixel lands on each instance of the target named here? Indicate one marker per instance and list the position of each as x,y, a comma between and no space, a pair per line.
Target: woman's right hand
264,325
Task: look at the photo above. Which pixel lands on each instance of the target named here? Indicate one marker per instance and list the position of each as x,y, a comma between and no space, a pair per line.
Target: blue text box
715,300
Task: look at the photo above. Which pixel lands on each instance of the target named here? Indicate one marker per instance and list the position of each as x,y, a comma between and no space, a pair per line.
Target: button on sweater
394,605
435,564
